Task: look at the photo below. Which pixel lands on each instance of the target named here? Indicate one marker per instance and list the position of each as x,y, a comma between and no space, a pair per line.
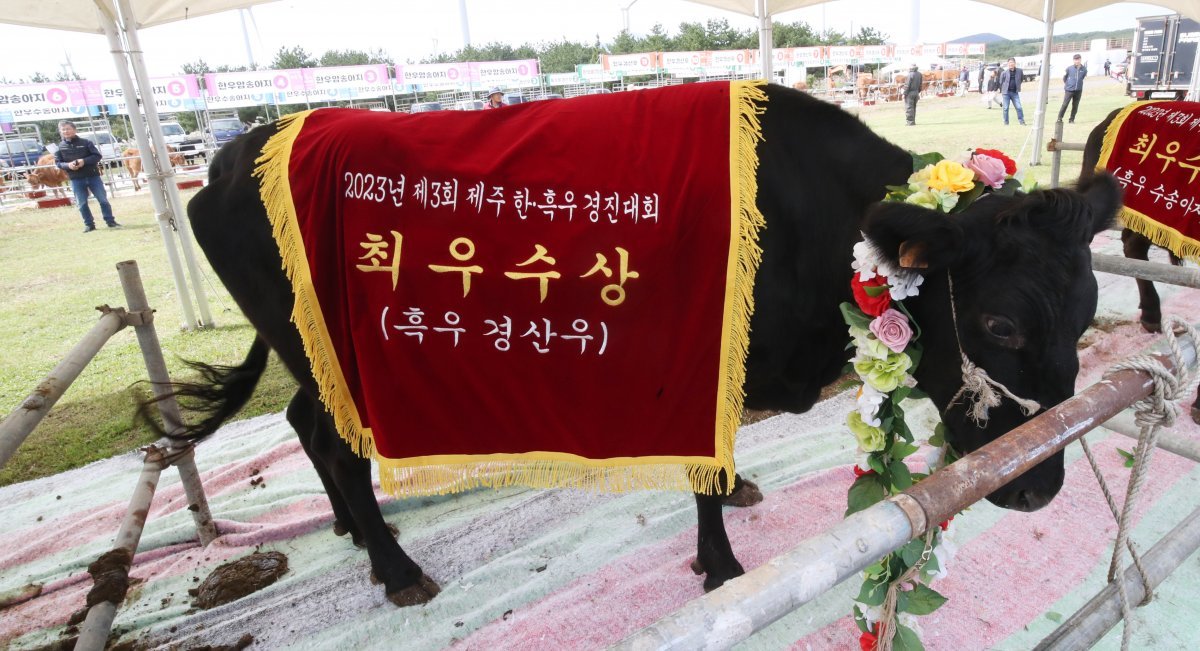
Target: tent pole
108,17
1039,119
164,175
765,39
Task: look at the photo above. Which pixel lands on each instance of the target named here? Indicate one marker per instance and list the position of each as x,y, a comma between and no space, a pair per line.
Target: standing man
1010,89
912,92
495,99
1107,67
80,158
1072,88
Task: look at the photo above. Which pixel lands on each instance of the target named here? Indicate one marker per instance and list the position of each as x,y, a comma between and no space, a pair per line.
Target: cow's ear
1103,193
913,237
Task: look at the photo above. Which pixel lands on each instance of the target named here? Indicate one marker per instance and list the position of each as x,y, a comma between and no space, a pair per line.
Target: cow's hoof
339,529
1151,326
746,493
359,541
1196,415
714,579
415,595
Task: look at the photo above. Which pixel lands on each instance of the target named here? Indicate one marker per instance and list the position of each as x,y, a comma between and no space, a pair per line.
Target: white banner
682,62
594,73
562,78
234,89
53,101
434,76
507,74
347,82
171,94
645,63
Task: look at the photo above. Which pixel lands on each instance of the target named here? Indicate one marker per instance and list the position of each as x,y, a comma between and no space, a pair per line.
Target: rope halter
978,387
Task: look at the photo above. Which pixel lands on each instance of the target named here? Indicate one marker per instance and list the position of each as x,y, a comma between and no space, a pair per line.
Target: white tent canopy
1048,11
80,15
120,20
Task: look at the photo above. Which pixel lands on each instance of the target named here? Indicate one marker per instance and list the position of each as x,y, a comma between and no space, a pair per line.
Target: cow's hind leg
714,555
302,413
403,580
1137,247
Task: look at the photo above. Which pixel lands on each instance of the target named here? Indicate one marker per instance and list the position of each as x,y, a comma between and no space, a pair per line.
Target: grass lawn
52,276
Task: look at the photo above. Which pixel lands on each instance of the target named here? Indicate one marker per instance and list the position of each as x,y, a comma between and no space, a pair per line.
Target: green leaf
1010,187
876,290
901,449
876,463
864,492
1051,615
939,436
914,353
921,160
900,394
931,566
872,594
911,552
901,428
860,620
901,478
1128,457
966,198
921,600
906,639
854,317
898,189
917,394
876,571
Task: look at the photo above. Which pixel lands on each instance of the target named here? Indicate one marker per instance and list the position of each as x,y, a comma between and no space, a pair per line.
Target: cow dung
236,579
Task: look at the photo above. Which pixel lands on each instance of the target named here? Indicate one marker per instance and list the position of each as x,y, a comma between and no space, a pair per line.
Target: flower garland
887,351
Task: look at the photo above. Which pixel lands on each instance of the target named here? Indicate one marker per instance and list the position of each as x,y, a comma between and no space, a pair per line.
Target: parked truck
1163,57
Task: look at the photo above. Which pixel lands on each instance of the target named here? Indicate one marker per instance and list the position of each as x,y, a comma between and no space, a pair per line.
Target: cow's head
1023,294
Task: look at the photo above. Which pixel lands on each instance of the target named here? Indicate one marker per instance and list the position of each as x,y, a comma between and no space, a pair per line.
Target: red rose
868,641
859,472
946,525
870,305
1010,166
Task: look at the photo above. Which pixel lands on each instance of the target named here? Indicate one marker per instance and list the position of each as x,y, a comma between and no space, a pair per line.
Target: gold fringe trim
1158,233
455,473
271,168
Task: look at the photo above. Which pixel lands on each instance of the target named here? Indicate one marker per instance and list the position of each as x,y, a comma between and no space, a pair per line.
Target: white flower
911,621
869,401
946,199
904,284
870,613
866,259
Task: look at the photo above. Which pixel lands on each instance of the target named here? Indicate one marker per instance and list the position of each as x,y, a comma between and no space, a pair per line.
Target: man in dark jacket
1072,88
912,92
80,158
1010,89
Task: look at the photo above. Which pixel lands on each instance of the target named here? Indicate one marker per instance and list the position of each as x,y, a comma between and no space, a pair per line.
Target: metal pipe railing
1152,271
751,602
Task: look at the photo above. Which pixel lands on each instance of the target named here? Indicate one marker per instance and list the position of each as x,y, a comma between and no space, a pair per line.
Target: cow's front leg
714,555
1137,247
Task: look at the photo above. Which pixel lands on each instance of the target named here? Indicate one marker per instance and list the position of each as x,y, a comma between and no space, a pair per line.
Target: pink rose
989,170
892,329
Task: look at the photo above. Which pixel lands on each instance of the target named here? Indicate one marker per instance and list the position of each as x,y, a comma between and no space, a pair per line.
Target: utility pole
625,14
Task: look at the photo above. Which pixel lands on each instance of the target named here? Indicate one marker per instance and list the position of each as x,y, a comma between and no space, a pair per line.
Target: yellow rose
951,176
870,439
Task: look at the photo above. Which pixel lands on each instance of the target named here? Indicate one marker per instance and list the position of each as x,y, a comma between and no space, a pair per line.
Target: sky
409,30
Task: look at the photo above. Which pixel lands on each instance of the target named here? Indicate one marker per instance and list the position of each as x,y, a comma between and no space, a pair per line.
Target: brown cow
133,163
47,175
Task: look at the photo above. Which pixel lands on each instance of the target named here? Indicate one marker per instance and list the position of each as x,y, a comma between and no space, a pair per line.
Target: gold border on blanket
441,474
1157,232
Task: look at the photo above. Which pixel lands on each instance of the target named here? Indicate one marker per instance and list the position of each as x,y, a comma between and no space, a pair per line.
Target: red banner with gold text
549,294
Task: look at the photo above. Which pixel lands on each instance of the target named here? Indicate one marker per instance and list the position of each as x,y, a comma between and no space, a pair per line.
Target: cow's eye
1003,330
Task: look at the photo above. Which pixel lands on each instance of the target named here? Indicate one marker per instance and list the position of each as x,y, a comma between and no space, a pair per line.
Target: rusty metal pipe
18,424
93,634
970,479
156,368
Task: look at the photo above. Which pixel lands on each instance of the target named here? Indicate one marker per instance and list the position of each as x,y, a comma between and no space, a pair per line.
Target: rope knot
984,393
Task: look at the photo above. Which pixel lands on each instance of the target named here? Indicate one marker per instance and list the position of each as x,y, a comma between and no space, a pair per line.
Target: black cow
1023,291
1133,244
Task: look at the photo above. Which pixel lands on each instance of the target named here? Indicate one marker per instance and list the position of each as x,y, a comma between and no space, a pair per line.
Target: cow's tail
221,392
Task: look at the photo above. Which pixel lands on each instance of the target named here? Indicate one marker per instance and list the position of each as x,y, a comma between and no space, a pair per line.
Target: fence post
18,424
142,318
1055,153
93,634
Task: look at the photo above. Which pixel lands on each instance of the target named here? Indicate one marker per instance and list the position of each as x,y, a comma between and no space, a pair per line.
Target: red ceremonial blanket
555,293
1153,149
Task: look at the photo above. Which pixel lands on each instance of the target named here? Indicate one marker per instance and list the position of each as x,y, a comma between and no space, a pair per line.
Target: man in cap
912,92
1072,87
495,99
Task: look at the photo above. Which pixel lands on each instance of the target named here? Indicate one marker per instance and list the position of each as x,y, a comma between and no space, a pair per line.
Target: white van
110,147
